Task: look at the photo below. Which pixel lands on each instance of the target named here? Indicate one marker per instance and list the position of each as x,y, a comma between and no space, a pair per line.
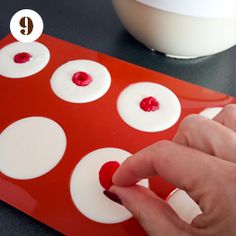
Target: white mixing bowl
180,28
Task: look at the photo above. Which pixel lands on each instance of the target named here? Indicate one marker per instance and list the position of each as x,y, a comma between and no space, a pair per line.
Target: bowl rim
197,8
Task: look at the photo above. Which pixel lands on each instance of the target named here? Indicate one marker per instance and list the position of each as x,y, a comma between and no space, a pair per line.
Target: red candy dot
149,104
106,172
22,57
81,78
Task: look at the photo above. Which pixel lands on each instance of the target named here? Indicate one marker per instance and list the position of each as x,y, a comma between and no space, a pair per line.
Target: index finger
175,163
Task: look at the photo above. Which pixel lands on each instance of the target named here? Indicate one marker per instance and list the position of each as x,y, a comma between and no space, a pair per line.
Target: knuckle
230,111
231,174
191,123
163,144
226,173
232,139
162,148
138,214
189,120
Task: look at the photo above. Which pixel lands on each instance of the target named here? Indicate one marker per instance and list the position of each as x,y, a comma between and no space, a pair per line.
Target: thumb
153,213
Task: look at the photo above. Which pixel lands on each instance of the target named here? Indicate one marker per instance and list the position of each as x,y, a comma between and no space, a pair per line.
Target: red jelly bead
81,78
149,104
22,57
106,172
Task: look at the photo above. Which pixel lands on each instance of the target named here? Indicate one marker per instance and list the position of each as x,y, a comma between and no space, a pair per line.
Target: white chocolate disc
63,86
211,113
183,205
40,56
162,119
87,193
31,147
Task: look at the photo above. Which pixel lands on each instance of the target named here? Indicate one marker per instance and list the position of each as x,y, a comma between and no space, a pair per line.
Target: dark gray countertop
93,24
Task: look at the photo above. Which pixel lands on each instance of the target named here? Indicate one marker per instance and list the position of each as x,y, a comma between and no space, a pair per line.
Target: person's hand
200,160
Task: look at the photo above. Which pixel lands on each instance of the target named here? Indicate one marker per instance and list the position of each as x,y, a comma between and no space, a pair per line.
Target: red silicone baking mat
88,127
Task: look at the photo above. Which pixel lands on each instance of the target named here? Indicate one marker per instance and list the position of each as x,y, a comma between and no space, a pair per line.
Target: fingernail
112,196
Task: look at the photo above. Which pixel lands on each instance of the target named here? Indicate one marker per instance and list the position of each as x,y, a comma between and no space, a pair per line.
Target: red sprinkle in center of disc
149,104
81,78
106,173
22,57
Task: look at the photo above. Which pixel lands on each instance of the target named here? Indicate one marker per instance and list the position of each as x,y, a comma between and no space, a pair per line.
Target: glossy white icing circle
63,86
211,112
87,193
198,8
40,56
31,147
162,119
183,205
